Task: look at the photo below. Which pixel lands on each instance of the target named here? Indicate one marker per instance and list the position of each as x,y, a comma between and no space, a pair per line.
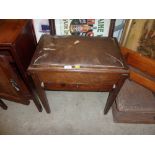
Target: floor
72,113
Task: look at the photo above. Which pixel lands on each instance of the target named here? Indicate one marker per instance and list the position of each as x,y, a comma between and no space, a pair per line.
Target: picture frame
139,35
84,27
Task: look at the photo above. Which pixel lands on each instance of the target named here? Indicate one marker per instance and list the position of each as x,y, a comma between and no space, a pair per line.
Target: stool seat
85,52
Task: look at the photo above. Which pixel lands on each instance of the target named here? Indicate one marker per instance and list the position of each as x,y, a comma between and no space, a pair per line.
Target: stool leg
113,94
36,102
34,95
3,105
41,93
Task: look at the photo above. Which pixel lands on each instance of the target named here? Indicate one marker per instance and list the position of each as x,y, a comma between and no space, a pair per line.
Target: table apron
78,81
78,87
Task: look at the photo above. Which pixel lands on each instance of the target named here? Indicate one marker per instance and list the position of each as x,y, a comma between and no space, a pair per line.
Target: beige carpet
72,113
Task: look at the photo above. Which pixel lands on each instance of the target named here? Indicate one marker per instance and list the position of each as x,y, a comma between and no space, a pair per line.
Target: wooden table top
75,51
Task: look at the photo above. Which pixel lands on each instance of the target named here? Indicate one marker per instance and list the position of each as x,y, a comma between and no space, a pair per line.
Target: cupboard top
10,29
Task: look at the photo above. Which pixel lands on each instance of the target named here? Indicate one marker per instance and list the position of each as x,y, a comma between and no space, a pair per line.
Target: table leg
3,105
34,95
41,93
36,100
113,94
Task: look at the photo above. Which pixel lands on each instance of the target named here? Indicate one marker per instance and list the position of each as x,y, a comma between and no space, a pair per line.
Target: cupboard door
11,86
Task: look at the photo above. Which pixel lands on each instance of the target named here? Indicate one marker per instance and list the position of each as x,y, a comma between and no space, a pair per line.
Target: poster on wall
82,27
85,27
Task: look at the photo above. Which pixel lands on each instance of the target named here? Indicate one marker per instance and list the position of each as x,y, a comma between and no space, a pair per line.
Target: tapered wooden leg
34,94
3,105
113,94
36,101
41,93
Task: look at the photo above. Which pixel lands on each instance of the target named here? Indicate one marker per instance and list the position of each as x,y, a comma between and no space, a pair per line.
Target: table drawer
77,87
79,77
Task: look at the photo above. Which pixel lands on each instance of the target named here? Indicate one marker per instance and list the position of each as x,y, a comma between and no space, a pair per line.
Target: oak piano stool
76,63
